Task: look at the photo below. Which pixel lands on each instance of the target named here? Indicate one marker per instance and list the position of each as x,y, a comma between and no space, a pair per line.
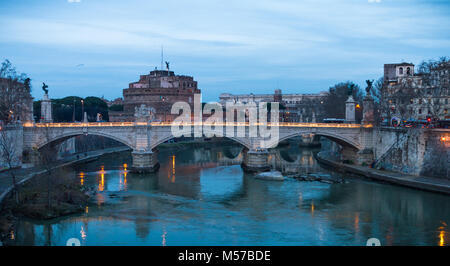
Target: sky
98,47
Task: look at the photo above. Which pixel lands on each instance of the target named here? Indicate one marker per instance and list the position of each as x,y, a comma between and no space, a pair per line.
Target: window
445,111
400,71
420,111
420,101
408,71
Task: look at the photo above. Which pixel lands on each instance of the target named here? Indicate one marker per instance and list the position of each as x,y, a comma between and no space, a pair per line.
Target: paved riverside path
433,184
24,174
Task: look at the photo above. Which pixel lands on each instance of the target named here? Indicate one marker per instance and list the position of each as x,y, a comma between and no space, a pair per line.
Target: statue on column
44,88
368,105
369,86
46,106
350,89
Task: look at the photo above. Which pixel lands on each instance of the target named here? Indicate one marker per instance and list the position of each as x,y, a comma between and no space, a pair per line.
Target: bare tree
381,106
433,103
15,97
8,153
402,98
435,80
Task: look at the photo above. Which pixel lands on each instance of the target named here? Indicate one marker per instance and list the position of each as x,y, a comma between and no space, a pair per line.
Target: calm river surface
200,196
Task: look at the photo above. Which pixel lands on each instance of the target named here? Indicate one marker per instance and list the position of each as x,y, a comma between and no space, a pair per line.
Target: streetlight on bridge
73,115
82,109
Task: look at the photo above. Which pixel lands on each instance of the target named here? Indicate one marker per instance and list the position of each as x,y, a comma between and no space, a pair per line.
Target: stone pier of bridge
144,161
255,160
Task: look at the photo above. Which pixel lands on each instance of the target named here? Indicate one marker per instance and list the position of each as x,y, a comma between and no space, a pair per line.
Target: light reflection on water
201,197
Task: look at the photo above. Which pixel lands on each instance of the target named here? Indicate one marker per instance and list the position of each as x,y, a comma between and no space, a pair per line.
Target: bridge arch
60,138
228,153
170,136
339,139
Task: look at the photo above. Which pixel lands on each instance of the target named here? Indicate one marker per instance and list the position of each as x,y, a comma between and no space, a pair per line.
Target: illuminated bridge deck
167,124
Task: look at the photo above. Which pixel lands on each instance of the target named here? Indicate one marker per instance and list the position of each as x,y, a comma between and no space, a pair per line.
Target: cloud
225,41
74,1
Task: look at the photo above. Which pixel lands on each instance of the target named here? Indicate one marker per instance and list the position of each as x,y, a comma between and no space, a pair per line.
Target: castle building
392,72
159,89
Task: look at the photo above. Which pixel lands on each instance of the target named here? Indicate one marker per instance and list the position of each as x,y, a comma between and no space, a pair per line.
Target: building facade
159,89
16,103
293,107
416,96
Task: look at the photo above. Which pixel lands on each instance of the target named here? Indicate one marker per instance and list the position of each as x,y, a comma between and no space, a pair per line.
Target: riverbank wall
432,184
413,151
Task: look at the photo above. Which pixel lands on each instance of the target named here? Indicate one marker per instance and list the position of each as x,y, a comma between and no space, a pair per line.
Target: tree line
69,109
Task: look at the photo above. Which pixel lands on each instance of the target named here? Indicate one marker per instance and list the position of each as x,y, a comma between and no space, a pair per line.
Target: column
368,117
366,154
46,110
350,110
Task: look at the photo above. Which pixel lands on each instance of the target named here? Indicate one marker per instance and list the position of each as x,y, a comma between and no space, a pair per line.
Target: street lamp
73,115
82,109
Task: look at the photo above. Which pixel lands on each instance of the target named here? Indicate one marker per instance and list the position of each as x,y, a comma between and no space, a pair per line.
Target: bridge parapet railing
165,124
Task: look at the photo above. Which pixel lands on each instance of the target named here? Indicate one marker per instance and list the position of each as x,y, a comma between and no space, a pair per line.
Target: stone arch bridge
143,138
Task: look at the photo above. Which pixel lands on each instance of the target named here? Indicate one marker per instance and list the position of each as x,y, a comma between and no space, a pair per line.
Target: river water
200,196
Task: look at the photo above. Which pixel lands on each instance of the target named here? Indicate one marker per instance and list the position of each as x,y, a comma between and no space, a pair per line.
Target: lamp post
73,115
82,109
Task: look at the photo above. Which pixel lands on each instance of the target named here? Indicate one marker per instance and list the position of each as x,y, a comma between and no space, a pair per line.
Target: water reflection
201,197
442,234
81,175
164,237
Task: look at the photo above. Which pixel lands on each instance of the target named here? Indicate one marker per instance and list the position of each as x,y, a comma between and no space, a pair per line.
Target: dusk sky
95,48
